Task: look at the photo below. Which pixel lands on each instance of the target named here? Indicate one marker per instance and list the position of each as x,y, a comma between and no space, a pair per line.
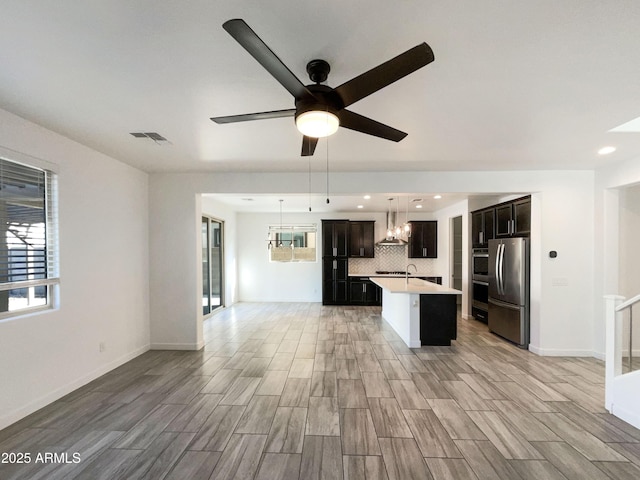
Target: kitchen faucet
406,273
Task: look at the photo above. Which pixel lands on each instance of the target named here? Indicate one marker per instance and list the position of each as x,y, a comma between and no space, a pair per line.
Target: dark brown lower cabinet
363,291
438,319
335,281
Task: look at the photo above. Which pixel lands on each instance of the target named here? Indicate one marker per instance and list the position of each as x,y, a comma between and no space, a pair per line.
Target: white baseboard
18,414
601,355
628,416
554,352
177,346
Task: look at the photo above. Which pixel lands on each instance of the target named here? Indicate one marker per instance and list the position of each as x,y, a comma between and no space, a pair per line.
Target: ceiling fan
319,109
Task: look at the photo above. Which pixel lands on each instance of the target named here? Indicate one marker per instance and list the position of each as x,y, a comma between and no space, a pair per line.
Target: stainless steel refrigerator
509,289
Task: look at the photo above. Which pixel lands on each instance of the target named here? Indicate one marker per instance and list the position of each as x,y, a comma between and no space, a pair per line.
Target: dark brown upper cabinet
513,219
423,242
482,227
335,238
361,239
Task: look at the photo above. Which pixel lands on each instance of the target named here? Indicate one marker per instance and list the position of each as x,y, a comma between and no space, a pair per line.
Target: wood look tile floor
302,391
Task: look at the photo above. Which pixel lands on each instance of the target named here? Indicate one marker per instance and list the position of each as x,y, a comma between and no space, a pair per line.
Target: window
28,238
292,243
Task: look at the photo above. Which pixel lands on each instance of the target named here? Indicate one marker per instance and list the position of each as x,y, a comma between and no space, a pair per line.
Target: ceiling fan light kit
317,123
319,109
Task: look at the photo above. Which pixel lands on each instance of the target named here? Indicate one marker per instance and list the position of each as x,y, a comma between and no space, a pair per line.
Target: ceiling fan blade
309,145
359,123
246,37
385,74
255,116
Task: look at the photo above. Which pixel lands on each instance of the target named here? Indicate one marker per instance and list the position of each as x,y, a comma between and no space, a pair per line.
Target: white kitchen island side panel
402,312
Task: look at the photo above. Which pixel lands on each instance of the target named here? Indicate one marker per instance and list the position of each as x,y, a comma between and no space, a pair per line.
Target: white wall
611,181
260,280
560,285
104,286
562,205
175,263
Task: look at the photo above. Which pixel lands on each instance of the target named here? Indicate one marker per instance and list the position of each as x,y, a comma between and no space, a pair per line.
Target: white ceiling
514,85
402,203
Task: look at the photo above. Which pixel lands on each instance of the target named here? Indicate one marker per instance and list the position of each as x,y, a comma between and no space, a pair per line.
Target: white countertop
392,275
415,285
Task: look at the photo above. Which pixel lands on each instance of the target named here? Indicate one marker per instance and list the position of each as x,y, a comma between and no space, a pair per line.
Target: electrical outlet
102,346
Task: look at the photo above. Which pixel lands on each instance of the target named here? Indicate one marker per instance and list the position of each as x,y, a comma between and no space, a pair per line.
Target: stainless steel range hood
391,241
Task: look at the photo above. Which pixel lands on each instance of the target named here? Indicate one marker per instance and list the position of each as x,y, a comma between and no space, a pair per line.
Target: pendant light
407,226
398,230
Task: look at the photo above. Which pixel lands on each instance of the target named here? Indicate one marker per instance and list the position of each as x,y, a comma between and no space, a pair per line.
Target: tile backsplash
391,259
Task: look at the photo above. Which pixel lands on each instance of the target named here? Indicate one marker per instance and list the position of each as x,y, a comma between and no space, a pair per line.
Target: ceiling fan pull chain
309,180
328,170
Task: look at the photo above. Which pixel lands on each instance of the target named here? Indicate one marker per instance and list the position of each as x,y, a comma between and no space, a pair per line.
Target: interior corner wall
104,268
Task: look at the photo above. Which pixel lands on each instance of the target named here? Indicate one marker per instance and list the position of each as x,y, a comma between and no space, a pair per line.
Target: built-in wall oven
480,278
480,263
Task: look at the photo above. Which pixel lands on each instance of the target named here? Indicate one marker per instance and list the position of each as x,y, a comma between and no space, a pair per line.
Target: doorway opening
212,264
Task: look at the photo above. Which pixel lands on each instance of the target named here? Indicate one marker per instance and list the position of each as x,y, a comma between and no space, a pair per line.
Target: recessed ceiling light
437,197
367,197
360,206
418,206
606,150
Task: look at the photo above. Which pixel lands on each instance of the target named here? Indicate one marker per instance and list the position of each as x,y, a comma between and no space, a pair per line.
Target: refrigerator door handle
501,269
497,268
499,303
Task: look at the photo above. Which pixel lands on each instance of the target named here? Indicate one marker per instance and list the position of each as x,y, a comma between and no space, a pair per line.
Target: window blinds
28,237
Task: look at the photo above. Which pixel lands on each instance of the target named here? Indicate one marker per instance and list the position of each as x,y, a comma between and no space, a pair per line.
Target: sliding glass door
212,265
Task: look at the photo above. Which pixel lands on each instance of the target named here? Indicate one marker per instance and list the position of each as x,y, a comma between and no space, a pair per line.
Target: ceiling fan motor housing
318,70
324,99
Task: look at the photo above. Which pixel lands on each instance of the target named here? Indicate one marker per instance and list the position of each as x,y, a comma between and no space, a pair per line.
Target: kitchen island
421,312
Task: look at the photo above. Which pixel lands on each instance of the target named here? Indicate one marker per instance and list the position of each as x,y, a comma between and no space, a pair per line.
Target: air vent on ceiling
156,137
